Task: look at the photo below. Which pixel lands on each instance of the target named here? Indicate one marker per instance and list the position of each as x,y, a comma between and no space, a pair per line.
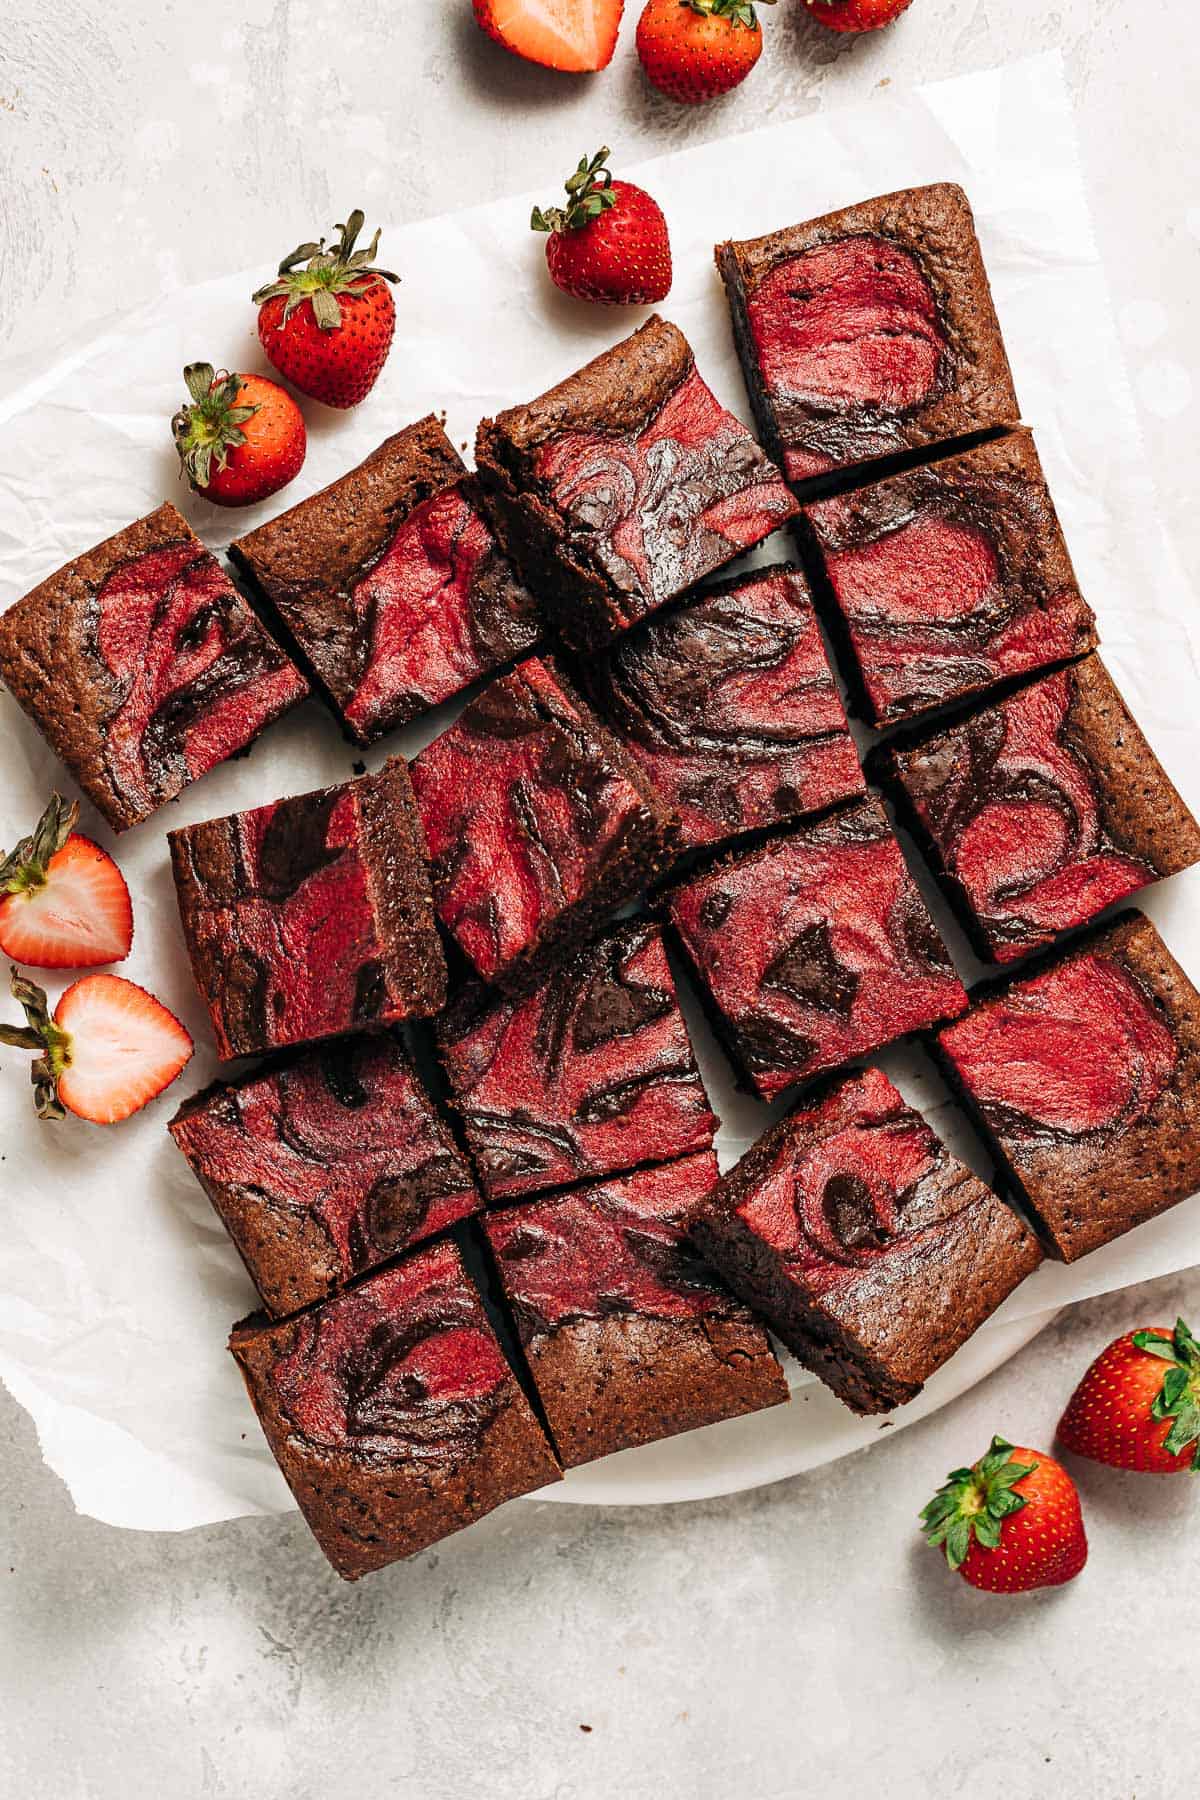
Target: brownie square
1085,1080
538,824
392,1412
814,949
869,332
312,916
868,1249
143,668
949,579
629,1336
324,1165
729,705
390,584
1042,810
591,1074
625,484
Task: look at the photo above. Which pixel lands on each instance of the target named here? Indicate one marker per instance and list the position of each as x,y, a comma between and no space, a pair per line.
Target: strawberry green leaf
974,1503
318,274
23,870
589,193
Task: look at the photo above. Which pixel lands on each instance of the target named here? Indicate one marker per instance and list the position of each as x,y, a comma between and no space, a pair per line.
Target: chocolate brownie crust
899,1286
996,494
935,225
614,393
610,1384
1078,749
688,489
369,1510
1086,1188
50,661
305,566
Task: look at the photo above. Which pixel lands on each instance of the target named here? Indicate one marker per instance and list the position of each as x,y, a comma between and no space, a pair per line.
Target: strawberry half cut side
575,36
109,1048
63,901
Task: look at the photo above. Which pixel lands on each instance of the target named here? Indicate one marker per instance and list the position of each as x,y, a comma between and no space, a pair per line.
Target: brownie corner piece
628,1336
870,1251
390,583
392,1412
949,579
143,667
311,916
324,1164
1085,1080
814,949
625,484
590,1074
538,824
1041,810
728,702
869,332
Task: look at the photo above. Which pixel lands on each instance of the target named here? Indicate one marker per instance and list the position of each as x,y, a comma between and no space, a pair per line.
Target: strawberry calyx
211,426
23,870
589,193
327,272
973,1503
1178,1399
738,12
40,1033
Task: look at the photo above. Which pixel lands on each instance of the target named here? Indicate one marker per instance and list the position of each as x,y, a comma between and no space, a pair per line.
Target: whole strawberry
328,326
1009,1523
693,50
609,242
1138,1406
239,437
856,15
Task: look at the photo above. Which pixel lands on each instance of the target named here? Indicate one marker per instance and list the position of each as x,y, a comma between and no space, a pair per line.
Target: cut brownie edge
1087,1162
867,1248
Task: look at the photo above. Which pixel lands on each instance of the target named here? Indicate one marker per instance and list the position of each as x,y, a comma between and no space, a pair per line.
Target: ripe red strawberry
1009,1523
65,903
693,50
109,1048
609,243
328,326
577,35
1132,1412
856,15
240,438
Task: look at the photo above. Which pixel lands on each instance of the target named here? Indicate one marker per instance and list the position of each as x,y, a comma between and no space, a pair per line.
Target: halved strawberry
109,1049
573,35
65,904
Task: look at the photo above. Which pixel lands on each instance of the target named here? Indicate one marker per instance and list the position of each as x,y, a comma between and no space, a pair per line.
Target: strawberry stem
738,12
974,1503
39,1033
589,193
23,870
340,269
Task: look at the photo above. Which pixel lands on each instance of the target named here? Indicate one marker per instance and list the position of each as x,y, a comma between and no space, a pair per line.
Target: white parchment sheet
117,1283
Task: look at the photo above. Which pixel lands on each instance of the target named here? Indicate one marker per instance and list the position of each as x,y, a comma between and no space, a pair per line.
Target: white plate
769,1446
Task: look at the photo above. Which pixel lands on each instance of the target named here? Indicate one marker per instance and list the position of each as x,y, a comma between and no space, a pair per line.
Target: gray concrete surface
792,1642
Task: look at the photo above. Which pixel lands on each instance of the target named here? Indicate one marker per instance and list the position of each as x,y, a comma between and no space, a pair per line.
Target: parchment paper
117,1283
